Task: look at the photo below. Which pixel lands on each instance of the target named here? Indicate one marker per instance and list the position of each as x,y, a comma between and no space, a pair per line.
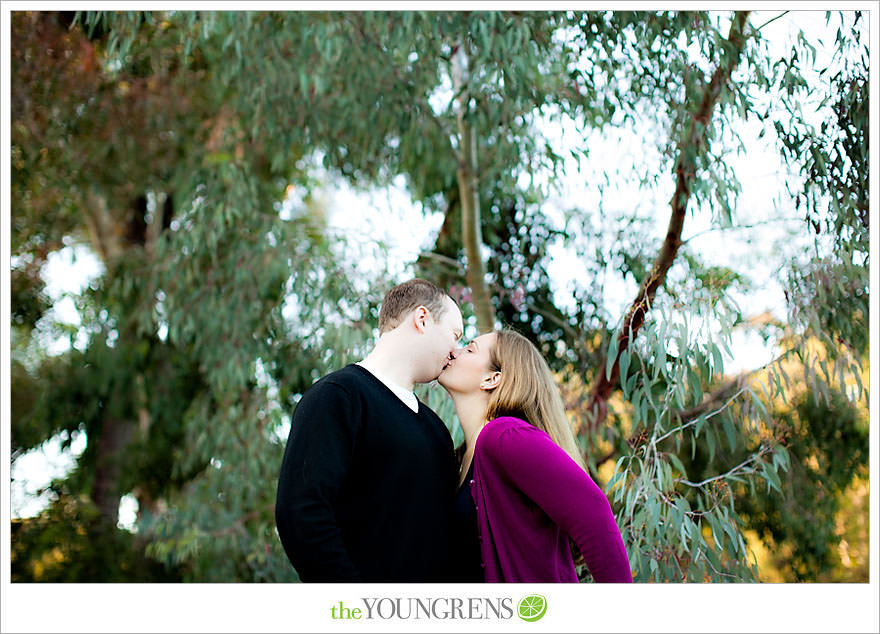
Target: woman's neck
471,411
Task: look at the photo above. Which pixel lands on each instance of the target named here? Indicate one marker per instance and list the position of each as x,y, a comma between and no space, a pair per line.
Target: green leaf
729,430
624,366
660,358
701,422
612,355
678,465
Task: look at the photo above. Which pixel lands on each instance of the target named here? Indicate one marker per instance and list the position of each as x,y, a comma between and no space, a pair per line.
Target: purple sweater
530,497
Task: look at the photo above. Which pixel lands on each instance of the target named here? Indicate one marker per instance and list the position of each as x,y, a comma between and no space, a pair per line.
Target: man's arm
316,462
548,476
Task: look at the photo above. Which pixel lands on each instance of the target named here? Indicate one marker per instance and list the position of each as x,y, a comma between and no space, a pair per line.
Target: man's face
443,336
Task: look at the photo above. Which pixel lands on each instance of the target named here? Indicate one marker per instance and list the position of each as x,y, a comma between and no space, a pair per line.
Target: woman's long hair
527,390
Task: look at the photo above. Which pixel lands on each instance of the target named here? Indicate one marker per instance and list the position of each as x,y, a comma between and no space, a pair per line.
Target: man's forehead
455,314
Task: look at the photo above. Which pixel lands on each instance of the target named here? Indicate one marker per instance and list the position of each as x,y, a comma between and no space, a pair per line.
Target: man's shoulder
350,379
426,411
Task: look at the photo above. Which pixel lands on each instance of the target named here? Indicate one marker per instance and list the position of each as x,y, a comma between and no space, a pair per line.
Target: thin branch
718,572
740,380
555,319
696,420
751,226
726,474
771,20
442,259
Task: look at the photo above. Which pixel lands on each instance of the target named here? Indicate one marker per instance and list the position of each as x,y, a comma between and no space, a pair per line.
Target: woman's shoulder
502,423
513,444
504,428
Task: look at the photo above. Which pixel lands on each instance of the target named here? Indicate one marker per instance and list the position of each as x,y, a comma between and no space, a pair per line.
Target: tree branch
685,170
468,185
741,227
742,465
443,259
771,20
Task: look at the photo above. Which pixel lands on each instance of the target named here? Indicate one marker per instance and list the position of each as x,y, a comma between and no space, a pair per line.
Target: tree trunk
470,201
685,169
114,438
114,237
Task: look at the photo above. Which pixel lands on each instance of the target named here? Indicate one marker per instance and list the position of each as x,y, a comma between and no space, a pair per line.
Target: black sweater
366,485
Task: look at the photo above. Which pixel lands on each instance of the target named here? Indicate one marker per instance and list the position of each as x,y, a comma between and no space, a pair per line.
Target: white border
295,607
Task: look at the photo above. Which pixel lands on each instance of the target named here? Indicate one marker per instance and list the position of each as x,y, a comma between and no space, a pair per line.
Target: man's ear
420,318
490,381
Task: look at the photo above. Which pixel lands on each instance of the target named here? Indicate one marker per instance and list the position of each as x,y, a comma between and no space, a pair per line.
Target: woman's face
469,367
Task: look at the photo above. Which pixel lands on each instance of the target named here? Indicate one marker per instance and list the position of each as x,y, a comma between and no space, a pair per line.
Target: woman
523,490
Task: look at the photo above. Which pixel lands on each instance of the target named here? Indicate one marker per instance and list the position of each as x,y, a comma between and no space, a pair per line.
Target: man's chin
441,378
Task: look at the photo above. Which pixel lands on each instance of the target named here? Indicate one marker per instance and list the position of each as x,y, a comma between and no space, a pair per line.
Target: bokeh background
207,208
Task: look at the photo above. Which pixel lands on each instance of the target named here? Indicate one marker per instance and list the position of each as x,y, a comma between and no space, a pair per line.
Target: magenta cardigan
530,497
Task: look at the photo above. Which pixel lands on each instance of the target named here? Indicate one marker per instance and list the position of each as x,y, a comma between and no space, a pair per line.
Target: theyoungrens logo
532,607
529,608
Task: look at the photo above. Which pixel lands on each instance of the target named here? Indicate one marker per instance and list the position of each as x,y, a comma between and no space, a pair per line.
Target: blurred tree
826,459
116,156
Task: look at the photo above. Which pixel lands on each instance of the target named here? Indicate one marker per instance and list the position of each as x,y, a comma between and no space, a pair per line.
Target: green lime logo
532,607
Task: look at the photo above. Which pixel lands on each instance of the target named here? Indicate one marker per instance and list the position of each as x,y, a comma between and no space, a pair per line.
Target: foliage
69,543
826,458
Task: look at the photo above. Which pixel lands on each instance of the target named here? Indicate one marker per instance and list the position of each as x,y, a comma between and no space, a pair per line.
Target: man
369,472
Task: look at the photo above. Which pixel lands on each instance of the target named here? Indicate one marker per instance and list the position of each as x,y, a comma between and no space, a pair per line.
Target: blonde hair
528,391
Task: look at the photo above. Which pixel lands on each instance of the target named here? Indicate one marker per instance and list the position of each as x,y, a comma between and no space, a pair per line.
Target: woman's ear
490,381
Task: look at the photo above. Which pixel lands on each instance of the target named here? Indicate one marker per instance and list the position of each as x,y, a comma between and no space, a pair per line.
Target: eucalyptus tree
129,156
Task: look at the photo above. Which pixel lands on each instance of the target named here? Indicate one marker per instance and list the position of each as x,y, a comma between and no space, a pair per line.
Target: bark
112,238
103,234
685,169
470,204
114,438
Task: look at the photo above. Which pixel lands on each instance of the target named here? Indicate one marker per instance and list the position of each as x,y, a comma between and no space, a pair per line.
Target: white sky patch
67,273
128,510
70,270
384,229
35,470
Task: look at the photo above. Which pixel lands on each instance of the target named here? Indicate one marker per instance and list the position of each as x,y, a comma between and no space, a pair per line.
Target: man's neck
385,361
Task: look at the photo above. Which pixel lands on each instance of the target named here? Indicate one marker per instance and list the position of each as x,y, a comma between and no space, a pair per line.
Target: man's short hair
403,298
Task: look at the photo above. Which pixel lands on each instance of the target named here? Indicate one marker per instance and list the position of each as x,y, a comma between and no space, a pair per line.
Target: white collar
408,397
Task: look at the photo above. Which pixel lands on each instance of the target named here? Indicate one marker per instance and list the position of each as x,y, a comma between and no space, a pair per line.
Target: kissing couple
371,489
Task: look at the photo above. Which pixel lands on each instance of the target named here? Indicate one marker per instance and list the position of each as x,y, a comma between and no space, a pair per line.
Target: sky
759,173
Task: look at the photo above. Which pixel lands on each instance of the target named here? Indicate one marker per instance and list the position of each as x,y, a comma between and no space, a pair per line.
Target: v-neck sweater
366,485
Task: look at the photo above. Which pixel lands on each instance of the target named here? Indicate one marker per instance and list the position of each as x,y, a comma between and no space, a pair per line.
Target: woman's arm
537,466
